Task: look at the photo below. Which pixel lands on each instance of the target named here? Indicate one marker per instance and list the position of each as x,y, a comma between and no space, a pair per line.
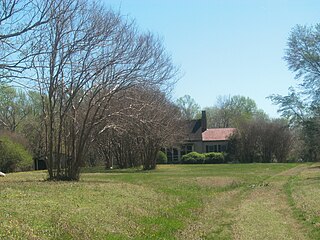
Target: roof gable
194,130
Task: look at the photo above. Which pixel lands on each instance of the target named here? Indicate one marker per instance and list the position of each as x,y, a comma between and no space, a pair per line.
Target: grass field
249,201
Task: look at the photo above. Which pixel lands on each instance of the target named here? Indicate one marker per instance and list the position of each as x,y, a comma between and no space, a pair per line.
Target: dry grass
305,192
216,181
214,219
173,202
265,214
75,210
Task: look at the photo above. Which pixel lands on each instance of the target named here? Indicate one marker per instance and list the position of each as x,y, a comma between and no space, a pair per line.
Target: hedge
193,158
200,158
214,157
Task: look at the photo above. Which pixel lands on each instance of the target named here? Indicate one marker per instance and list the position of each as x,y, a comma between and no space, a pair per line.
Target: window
172,155
213,148
186,149
219,148
223,148
210,148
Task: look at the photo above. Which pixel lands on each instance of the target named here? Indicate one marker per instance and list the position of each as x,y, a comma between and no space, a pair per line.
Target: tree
261,140
18,20
232,111
144,122
303,58
14,107
301,106
188,107
86,56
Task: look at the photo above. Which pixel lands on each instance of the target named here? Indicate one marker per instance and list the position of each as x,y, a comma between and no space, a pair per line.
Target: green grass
248,201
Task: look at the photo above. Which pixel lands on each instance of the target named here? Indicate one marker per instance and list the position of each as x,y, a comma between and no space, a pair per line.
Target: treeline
99,89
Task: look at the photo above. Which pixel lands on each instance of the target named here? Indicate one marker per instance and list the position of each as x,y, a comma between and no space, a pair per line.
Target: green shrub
193,158
214,157
13,156
162,157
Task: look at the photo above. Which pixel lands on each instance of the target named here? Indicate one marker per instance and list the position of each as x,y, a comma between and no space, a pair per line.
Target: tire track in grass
266,214
220,214
303,193
213,220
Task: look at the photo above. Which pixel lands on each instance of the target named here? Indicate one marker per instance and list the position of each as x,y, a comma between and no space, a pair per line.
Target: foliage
162,158
214,157
302,104
188,107
200,158
14,107
13,156
232,111
193,158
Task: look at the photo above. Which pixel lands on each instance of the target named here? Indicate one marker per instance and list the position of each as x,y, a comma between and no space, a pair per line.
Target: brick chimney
204,121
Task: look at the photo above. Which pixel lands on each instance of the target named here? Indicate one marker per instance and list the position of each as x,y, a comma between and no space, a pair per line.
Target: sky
225,47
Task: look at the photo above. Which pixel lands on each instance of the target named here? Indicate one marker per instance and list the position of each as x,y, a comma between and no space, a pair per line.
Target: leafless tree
142,124
86,55
18,21
261,140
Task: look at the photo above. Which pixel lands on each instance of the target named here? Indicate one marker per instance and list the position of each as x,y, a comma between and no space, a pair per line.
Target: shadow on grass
102,169
315,167
24,181
313,178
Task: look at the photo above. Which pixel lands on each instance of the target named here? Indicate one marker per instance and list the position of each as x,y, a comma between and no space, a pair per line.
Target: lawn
249,201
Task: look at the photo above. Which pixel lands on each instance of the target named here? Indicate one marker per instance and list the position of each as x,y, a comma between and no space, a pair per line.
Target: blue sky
225,47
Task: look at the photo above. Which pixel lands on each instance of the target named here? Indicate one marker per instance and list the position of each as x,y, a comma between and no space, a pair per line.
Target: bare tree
87,55
18,20
143,122
261,141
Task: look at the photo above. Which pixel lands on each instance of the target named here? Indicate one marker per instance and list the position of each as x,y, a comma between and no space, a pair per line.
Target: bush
199,158
13,156
162,158
214,157
193,158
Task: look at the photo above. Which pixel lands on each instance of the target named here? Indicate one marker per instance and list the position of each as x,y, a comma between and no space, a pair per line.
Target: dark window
175,155
210,148
215,148
223,148
186,149
172,155
169,155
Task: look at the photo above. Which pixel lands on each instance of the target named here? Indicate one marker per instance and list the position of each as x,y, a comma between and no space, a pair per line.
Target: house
200,139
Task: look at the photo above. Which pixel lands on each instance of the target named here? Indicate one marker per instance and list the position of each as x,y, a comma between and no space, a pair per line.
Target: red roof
217,134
